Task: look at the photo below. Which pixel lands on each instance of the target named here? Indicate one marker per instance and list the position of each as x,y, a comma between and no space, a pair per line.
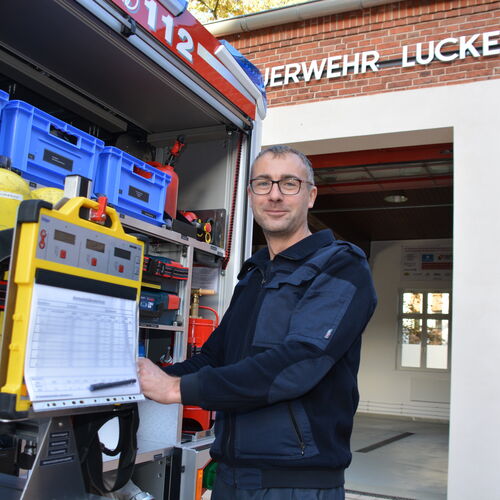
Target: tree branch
210,9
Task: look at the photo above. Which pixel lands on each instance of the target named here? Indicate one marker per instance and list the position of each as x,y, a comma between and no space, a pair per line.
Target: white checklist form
81,349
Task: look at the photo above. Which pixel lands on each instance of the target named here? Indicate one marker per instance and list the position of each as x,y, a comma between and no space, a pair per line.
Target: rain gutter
288,14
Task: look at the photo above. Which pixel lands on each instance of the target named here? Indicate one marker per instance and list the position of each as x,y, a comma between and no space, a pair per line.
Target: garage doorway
397,205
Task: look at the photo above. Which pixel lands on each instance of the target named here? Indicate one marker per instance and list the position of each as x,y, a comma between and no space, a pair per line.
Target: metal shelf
206,247
169,235
169,328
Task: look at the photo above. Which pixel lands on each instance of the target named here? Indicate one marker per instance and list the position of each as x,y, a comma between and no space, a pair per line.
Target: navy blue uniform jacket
281,368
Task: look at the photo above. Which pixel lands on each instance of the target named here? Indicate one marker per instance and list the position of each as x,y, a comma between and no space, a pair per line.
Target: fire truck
126,135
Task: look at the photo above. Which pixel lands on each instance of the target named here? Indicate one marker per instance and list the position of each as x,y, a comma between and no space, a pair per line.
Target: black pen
109,385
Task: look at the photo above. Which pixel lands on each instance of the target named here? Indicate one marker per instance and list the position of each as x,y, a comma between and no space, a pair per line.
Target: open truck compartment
103,89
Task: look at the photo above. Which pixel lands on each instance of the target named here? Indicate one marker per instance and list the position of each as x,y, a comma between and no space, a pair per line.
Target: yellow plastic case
25,264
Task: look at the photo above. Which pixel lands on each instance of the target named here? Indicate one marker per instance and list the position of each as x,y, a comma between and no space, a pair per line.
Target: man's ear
313,192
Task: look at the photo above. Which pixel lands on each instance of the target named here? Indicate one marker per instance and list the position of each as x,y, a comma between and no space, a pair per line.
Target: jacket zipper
263,281
297,430
229,453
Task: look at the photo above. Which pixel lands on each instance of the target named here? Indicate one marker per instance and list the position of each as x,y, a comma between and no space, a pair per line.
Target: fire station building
397,104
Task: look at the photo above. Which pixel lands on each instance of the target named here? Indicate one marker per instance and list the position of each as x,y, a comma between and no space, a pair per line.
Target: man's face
276,213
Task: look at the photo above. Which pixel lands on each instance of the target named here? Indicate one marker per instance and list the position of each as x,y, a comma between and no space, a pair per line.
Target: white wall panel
468,114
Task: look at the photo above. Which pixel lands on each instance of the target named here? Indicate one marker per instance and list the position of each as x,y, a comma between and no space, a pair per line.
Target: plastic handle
65,136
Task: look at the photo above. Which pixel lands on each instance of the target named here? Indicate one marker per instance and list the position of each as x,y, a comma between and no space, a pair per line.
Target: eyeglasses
290,185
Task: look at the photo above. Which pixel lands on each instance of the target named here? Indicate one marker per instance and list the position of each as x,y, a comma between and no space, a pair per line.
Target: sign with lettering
335,66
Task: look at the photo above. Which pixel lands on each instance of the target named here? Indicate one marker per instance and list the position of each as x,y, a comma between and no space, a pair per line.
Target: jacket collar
298,251
308,245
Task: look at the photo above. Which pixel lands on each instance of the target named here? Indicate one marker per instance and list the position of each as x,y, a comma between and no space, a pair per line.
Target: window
424,329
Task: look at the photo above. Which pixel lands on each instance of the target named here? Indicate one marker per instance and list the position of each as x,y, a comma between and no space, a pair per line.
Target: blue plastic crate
44,149
4,99
132,186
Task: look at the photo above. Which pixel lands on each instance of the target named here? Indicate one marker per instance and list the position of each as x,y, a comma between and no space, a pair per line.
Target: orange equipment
195,418
168,167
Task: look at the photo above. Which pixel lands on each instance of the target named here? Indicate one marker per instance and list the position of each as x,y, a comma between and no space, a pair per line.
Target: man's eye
290,183
262,183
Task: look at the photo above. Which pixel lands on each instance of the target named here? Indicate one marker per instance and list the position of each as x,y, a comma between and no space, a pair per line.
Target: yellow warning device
70,328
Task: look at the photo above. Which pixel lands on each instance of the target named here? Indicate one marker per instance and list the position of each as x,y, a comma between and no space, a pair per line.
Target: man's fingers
143,363
156,384
145,369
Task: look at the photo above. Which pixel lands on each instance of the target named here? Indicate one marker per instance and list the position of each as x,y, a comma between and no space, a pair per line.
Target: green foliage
212,10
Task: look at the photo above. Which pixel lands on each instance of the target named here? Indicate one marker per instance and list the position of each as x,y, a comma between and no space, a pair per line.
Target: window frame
424,316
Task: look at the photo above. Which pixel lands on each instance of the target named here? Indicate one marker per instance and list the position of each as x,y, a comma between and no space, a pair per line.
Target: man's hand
156,384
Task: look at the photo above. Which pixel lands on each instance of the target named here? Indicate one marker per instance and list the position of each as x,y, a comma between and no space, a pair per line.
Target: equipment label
147,214
138,193
58,160
12,196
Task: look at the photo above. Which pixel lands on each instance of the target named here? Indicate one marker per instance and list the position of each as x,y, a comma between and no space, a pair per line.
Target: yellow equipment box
71,316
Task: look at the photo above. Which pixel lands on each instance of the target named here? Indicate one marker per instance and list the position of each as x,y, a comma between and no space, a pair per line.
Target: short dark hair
282,150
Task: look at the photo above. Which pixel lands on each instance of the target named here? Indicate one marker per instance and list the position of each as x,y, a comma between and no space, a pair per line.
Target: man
281,368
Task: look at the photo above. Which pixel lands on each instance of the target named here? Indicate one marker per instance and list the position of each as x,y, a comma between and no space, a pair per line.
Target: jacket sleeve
327,320
212,351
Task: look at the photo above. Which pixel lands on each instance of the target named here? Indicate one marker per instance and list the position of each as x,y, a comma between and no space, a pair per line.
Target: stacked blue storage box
4,99
44,149
132,186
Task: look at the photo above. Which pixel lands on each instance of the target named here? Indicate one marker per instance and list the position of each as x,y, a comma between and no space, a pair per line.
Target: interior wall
203,175
384,388
470,112
207,180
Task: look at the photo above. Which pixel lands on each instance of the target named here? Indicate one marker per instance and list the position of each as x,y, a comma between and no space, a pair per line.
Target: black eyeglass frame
301,181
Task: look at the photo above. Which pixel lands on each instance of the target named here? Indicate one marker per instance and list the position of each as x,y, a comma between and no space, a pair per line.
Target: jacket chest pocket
283,293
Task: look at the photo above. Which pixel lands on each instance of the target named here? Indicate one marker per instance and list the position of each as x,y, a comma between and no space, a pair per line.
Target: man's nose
275,193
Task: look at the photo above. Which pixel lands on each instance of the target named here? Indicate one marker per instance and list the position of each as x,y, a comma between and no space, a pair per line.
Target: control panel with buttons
65,243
